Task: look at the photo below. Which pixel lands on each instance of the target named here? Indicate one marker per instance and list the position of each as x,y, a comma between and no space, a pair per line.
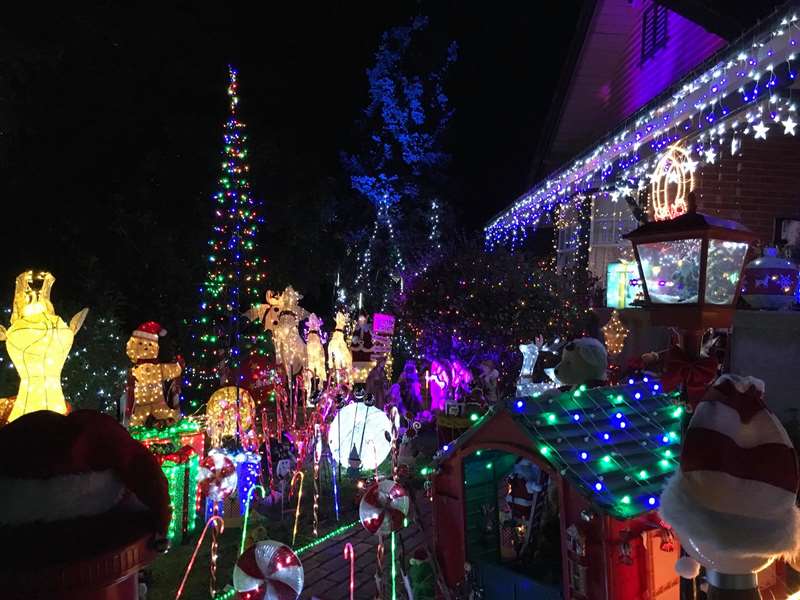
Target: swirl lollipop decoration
384,507
217,476
268,570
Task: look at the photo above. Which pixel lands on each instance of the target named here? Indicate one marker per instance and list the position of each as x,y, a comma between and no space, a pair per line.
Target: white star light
761,130
788,126
736,143
691,165
711,156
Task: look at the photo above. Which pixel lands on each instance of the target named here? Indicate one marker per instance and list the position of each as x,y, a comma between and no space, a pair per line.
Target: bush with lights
475,306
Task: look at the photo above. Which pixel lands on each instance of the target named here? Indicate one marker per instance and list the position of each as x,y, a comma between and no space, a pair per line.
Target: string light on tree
235,271
615,334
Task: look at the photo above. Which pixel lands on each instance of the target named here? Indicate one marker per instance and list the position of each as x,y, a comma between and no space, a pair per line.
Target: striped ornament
268,570
384,507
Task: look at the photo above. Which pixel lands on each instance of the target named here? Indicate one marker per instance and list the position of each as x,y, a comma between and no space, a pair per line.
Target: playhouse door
664,582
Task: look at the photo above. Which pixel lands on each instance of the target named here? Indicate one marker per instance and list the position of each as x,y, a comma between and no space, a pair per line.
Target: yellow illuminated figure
147,376
38,342
339,355
223,416
316,353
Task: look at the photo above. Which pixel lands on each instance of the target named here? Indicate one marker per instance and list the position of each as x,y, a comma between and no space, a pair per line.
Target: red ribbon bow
695,374
179,457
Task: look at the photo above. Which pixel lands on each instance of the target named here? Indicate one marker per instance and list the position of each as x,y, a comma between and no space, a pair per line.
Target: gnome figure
146,378
732,502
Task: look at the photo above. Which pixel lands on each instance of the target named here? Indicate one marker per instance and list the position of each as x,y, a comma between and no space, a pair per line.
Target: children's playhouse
555,496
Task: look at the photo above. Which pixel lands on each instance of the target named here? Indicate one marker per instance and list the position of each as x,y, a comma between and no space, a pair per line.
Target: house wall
635,82
758,185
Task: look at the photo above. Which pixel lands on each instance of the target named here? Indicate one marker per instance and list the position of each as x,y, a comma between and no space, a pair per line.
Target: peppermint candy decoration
268,571
217,476
384,507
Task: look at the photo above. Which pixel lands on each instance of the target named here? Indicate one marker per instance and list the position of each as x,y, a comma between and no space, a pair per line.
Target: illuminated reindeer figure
315,352
38,342
281,315
339,355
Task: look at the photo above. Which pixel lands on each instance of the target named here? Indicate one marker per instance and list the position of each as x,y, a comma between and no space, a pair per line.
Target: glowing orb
366,428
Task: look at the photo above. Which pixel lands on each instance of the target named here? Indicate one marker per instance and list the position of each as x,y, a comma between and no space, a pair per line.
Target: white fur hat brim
735,536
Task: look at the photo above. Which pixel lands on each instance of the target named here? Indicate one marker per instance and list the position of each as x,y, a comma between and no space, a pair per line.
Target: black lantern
690,268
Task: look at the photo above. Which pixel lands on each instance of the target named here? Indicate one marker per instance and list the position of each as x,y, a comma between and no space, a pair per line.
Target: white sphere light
365,427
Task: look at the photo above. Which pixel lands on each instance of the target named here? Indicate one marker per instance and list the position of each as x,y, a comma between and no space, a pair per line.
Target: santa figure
522,486
145,395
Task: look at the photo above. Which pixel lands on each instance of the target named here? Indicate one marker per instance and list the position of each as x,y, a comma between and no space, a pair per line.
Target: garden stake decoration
247,512
299,497
215,522
350,554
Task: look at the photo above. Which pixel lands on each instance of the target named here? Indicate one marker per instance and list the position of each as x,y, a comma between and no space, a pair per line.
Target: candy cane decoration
267,449
375,451
316,479
335,485
247,512
379,567
299,497
214,521
350,554
394,415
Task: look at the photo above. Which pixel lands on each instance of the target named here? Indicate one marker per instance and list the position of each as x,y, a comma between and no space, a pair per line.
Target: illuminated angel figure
38,342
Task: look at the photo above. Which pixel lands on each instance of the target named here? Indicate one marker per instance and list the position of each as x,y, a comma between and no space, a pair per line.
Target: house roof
616,445
718,91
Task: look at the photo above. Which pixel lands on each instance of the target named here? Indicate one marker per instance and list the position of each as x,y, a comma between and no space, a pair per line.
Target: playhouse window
654,30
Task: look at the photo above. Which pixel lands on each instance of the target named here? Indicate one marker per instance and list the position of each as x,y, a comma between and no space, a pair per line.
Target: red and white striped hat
737,485
150,331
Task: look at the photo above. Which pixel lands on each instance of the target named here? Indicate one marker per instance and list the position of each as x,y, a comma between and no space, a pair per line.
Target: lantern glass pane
725,260
671,270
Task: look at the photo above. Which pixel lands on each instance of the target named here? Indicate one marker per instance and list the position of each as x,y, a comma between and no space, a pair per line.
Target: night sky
111,123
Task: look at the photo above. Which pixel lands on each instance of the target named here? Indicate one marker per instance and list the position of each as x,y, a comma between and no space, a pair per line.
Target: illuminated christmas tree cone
38,342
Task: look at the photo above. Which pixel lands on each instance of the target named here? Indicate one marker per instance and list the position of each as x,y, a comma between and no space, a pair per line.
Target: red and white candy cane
384,507
217,476
215,523
350,554
268,570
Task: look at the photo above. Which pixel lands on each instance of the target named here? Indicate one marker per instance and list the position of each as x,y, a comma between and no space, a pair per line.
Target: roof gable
616,445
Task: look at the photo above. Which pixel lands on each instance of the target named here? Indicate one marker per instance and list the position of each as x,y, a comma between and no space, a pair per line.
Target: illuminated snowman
38,342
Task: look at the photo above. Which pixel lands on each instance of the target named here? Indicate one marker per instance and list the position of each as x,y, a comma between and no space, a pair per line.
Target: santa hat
734,495
150,331
77,466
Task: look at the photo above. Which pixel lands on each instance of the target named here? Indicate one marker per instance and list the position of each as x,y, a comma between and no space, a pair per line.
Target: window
654,30
610,221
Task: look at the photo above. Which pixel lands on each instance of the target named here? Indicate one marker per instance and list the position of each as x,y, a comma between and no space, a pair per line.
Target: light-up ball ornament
384,507
671,183
226,408
217,476
365,428
38,342
268,570
770,282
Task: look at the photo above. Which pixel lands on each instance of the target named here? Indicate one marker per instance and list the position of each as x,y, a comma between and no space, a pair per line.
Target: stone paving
327,573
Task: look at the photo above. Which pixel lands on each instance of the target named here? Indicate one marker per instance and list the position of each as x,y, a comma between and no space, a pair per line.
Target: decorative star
736,143
711,156
788,126
761,130
691,165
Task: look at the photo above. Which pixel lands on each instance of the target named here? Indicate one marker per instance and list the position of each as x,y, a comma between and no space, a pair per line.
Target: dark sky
111,116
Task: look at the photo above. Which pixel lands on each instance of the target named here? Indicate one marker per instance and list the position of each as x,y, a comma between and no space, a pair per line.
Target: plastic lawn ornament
384,507
38,342
281,315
